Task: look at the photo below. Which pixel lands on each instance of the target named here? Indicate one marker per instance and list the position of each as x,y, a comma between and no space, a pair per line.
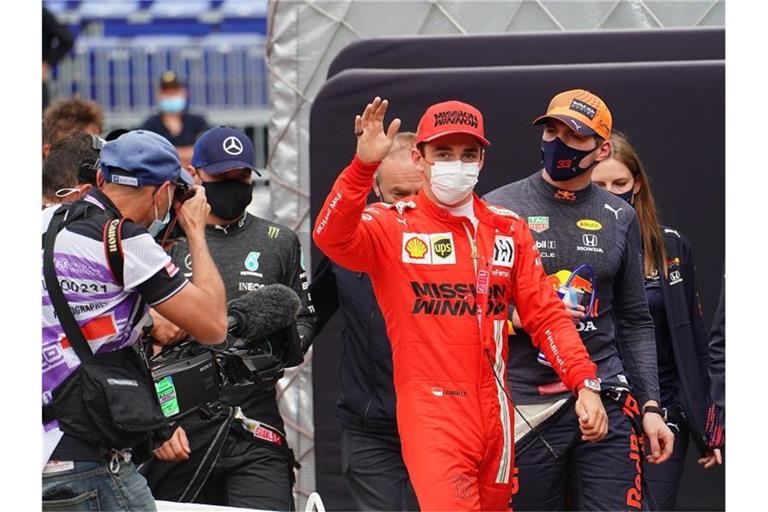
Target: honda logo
590,240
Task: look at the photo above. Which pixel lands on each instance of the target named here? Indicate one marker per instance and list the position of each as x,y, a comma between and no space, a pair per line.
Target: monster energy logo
272,232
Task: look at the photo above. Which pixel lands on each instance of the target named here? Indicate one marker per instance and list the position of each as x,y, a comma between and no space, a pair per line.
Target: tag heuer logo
539,224
443,247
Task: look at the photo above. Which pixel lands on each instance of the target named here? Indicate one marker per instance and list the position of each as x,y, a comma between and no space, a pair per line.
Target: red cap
451,117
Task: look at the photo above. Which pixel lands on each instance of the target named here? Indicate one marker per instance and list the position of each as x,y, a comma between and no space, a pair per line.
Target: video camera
263,340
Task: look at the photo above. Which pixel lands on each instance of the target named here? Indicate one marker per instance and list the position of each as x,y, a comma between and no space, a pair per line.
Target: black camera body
189,376
187,381
182,192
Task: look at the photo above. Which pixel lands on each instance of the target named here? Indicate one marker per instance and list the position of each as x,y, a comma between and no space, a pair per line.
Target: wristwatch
661,411
590,384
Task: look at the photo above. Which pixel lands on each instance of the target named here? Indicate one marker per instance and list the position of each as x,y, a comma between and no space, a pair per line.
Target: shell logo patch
428,248
416,248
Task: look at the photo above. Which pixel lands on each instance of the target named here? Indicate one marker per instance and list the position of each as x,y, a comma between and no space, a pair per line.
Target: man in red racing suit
443,282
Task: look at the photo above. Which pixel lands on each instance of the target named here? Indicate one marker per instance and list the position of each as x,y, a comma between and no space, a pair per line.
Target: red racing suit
443,288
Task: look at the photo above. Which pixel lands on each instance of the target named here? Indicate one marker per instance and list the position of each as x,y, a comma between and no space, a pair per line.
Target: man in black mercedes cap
174,121
251,465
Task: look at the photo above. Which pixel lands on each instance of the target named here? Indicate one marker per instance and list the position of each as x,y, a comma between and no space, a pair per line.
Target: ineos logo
590,240
232,145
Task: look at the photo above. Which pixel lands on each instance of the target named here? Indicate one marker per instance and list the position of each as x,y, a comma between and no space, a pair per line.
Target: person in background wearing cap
444,266
254,467
69,172
590,248
174,121
137,176
372,459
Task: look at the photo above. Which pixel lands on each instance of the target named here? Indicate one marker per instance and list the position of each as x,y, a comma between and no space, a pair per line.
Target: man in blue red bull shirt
138,175
589,242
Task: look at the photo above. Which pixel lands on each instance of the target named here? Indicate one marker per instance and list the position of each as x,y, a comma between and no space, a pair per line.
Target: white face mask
64,192
453,181
157,225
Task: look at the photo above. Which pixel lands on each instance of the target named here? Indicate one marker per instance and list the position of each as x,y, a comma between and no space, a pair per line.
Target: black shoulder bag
109,401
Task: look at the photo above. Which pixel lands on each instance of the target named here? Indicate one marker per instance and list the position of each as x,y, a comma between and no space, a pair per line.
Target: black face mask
628,196
562,161
228,199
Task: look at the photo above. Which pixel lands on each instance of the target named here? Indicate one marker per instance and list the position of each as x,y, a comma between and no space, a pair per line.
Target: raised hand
373,142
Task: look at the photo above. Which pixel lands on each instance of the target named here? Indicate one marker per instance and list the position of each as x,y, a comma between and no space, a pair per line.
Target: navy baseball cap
140,158
222,149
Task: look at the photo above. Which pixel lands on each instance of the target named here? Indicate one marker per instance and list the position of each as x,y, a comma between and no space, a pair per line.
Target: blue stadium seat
244,8
244,25
179,8
56,6
95,9
119,27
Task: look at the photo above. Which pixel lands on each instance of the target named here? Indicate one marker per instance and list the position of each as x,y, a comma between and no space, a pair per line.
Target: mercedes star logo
233,146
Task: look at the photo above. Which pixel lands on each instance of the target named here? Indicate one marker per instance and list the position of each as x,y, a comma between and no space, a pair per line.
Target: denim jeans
90,485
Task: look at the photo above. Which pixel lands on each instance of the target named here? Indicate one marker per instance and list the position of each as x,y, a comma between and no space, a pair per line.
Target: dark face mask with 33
229,198
562,161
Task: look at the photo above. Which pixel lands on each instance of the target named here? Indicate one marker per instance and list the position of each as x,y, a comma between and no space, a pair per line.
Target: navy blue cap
222,149
145,158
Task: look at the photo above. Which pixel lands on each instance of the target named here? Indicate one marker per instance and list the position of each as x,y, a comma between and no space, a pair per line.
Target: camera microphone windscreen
261,312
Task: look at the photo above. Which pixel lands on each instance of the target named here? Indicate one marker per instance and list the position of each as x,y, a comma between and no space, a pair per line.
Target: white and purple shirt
111,316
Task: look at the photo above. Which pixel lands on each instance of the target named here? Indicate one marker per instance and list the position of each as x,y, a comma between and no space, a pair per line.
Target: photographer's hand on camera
193,213
176,448
165,332
207,292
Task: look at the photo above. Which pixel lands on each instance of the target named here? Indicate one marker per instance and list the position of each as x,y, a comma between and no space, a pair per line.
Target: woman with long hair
681,338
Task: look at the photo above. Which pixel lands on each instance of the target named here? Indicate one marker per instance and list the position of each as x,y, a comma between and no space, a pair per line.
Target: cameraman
109,297
70,169
241,459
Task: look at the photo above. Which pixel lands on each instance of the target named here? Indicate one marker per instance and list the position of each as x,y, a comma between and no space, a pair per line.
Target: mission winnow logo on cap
451,117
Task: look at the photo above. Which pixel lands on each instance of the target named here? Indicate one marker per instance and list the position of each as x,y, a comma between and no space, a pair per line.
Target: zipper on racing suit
483,285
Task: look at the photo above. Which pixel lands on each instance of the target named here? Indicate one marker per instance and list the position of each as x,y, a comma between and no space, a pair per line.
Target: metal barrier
223,72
